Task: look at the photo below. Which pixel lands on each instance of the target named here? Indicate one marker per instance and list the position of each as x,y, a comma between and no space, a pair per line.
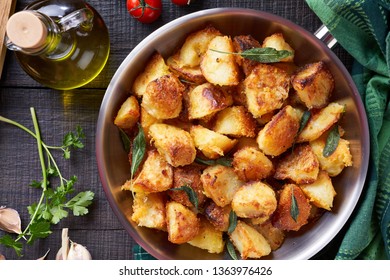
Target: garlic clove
44,256
2,258
63,251
10,220
74,252
78,252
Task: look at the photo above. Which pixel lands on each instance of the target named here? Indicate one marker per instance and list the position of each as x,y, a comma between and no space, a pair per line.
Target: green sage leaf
225,161
232,221
231,250
263,55
294,210
303,122
190,193
139,149
125,140
332,141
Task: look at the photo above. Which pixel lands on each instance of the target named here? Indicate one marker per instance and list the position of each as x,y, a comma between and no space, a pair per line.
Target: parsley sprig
54,203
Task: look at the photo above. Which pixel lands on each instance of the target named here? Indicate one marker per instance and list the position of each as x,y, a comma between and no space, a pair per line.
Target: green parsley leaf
80,202
9,242
39,230
58,214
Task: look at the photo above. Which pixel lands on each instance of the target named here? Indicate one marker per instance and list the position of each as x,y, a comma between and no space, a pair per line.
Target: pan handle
324,35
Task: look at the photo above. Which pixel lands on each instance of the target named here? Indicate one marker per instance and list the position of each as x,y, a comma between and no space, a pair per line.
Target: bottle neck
39,36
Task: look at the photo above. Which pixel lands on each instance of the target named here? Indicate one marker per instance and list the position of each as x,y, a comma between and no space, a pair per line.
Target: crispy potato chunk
274,236
254,199
314,84
154,69
282,218
235,121
174,144
321,192
156,175
301,165
242,43
279,134
147,120
208,238
217,215
266,89
207,99
163,97
321,121
249,242
220,68
244,142
278,42
250,164
191,74
337,161
195,46
128,114
149,210
182,224
220,183
212,144
188,175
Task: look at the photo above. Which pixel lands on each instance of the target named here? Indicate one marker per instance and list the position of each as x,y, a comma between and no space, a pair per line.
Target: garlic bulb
10,220
74,252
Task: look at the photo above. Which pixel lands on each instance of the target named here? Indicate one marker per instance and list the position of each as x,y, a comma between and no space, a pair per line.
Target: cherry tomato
145,11
181,2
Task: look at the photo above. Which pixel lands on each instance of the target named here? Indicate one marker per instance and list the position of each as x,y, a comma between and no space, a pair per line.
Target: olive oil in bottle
60,44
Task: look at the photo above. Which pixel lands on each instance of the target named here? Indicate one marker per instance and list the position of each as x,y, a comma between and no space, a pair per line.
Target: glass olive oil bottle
60,44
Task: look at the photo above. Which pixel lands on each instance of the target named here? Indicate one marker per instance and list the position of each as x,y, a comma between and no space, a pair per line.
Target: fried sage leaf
332,141
125,140
263,55
190,193
139,149
304,119
225,161
231,250
232,221
294,210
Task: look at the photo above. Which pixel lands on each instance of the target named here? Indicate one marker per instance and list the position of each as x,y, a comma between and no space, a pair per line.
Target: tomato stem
142,5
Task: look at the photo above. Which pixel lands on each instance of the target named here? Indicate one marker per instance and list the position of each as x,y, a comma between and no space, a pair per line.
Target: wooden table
61,111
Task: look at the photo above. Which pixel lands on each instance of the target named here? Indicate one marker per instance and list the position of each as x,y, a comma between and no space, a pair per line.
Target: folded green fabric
362,29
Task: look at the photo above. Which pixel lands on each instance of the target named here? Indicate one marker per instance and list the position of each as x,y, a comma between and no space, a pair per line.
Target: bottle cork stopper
26,30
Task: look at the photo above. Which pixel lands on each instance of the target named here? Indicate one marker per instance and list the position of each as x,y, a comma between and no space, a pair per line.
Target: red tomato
145,11
181,2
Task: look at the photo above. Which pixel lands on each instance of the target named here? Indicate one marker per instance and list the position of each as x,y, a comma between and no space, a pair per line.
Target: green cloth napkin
362,28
